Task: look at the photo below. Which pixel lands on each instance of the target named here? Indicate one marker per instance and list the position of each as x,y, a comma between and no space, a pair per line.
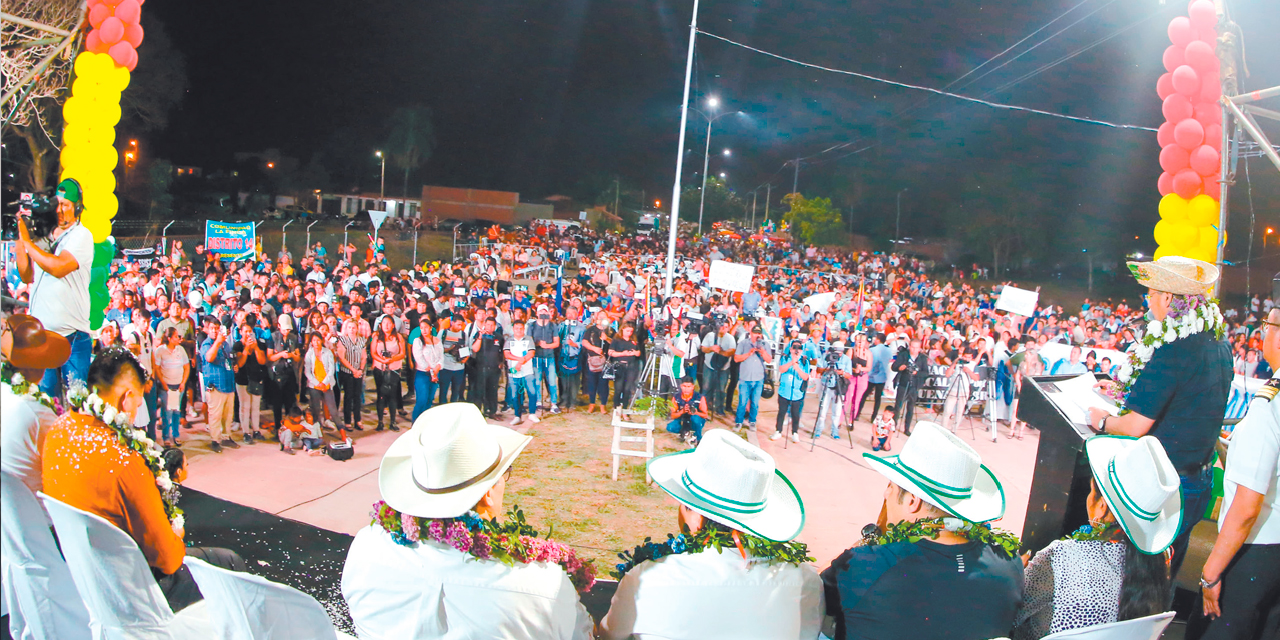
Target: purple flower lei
510,543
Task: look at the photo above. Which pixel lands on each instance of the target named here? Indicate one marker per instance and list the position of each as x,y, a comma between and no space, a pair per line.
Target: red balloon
1188,134
1177,108
1186,81
129,11
120,53
111,31
1207,113
94,43
1213,134
1200,56
1174,57
1213,186
133,59
1202,15
1174,159
1204,160
1208,36
1165,184
133,35
1165,135
97,14
1210,88
1187,183
1180,31
1164,86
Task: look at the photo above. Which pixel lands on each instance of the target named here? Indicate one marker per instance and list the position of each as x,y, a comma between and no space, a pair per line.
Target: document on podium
1074,397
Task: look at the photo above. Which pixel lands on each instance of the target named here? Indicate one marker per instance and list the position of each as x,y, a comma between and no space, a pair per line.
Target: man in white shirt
59,279
451,464
1240,582
29,349
727,488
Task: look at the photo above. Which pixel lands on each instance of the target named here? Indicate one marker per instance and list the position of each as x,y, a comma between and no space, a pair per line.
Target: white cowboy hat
442,466
941,469
1140,486
1175,274
734,483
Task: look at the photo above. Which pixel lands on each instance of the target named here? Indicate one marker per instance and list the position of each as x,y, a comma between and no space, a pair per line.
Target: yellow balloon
118,78
1163,251
74,134
72,157
83,62
104,203
1183,235
110,113
98,181
99,227
1198,253
73,110
104,136
1173,208
1163,232
1203,210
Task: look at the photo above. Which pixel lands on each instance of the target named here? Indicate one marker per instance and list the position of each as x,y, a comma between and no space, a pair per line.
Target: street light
722,175
897,225
727,153
382,192
1264,237
271,165
712,103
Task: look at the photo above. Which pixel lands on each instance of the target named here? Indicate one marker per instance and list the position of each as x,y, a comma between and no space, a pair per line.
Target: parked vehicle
649,224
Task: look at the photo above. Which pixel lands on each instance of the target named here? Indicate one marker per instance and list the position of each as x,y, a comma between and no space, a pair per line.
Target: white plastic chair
113,578
1148,628
248,607
37,583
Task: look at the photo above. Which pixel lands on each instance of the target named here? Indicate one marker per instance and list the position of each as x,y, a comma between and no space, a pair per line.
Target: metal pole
415,245
1250,126
309,235
1254,96
795,182
684,121
768,195
617,195
1226,48
344,237
164,236
753,206
706,157
284,235
382,191
897,224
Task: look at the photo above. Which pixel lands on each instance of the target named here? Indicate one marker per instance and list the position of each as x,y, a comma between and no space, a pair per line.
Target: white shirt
519,347
1253,461
62,304
434,591
715,595
23,425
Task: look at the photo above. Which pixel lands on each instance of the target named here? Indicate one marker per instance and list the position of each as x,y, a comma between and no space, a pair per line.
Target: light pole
684,122
712,103
319,204
897,224
382,191
344,236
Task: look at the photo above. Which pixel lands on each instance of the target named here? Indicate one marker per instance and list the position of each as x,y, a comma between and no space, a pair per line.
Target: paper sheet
1075,396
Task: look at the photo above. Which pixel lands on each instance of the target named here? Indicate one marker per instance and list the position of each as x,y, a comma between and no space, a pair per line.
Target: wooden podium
1060,485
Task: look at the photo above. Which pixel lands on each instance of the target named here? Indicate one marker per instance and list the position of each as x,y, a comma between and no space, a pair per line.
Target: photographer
793,373
453,376
718,347
220,384
689,415
911,367
59,280
837,374
752,355
488,350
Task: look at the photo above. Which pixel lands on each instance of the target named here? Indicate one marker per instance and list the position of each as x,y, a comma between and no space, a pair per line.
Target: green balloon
98,297
104,252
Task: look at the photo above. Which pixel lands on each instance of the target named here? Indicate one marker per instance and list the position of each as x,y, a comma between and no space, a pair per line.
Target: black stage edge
1060,485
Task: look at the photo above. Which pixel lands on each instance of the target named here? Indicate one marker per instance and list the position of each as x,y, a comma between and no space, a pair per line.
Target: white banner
820,302
731,276
1019,301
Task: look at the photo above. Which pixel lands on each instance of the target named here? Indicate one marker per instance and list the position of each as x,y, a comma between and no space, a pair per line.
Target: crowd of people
532,320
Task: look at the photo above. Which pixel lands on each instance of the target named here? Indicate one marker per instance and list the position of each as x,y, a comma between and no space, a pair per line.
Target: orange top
87,467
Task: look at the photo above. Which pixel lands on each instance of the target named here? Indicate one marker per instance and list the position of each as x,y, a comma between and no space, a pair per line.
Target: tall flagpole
684,120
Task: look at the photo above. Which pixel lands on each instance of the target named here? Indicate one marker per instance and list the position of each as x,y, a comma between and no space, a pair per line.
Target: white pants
250,409
221,407
832,402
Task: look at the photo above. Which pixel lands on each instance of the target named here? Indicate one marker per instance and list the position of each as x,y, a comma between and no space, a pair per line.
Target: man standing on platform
911,366
1178,389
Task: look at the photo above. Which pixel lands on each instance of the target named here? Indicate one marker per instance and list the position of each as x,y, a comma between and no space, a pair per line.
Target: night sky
532,96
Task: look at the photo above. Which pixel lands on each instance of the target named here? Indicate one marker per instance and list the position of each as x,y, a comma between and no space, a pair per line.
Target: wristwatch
1102,425
1204,584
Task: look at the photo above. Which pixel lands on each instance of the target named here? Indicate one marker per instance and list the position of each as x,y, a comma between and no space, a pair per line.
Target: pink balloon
1187,183
1213,134
133,59
1204,160
1174,159
1202,15
1174,57
133,34
97,14
1180,31
93,42
129,11
1212,186
1210,88
1164,86
111,31
1164,135
1207,113
120,53
1188,134
1165,184
1201,57
1186,81
1177,108
1208,36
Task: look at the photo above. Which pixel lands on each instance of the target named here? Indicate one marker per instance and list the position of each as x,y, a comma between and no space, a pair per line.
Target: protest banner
731,276
1019,301
229,240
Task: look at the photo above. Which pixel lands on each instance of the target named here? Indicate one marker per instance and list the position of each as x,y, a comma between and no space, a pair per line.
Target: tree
411,141
1000,213
811,220
720,203
157,84
159,179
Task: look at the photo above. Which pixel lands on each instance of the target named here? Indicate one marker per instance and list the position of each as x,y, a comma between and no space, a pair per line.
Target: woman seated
1117,567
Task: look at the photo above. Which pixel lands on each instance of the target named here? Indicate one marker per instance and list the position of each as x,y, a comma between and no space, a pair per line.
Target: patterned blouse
1070,584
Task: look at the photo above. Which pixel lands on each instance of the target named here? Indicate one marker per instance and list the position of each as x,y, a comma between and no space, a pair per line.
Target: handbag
597,363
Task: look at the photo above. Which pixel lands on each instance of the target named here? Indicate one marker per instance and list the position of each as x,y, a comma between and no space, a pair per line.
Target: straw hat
442,466
1175,274
734,483
1140,486
26,344
942,470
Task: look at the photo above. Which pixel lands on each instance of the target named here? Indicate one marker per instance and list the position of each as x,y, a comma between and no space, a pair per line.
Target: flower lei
1093,533
930,528
24,389
79,399
514,541
755,548
1188,315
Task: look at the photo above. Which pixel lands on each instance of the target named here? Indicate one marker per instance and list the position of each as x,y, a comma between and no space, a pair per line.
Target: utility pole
753,207
768,195
795,182
684,121
617,195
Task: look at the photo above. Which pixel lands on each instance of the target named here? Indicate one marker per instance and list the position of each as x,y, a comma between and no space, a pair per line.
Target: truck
650,223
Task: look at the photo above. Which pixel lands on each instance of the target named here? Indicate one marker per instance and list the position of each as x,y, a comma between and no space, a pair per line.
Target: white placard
731,276
1019,301
377,217
820,302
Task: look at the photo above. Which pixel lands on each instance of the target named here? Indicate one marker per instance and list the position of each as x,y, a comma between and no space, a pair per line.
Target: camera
41,210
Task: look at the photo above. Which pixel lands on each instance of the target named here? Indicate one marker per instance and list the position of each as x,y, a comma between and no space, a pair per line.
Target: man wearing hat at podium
401,581
1181,395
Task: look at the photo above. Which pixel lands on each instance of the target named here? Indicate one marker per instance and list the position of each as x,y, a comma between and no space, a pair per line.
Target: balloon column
89,120
1189,138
